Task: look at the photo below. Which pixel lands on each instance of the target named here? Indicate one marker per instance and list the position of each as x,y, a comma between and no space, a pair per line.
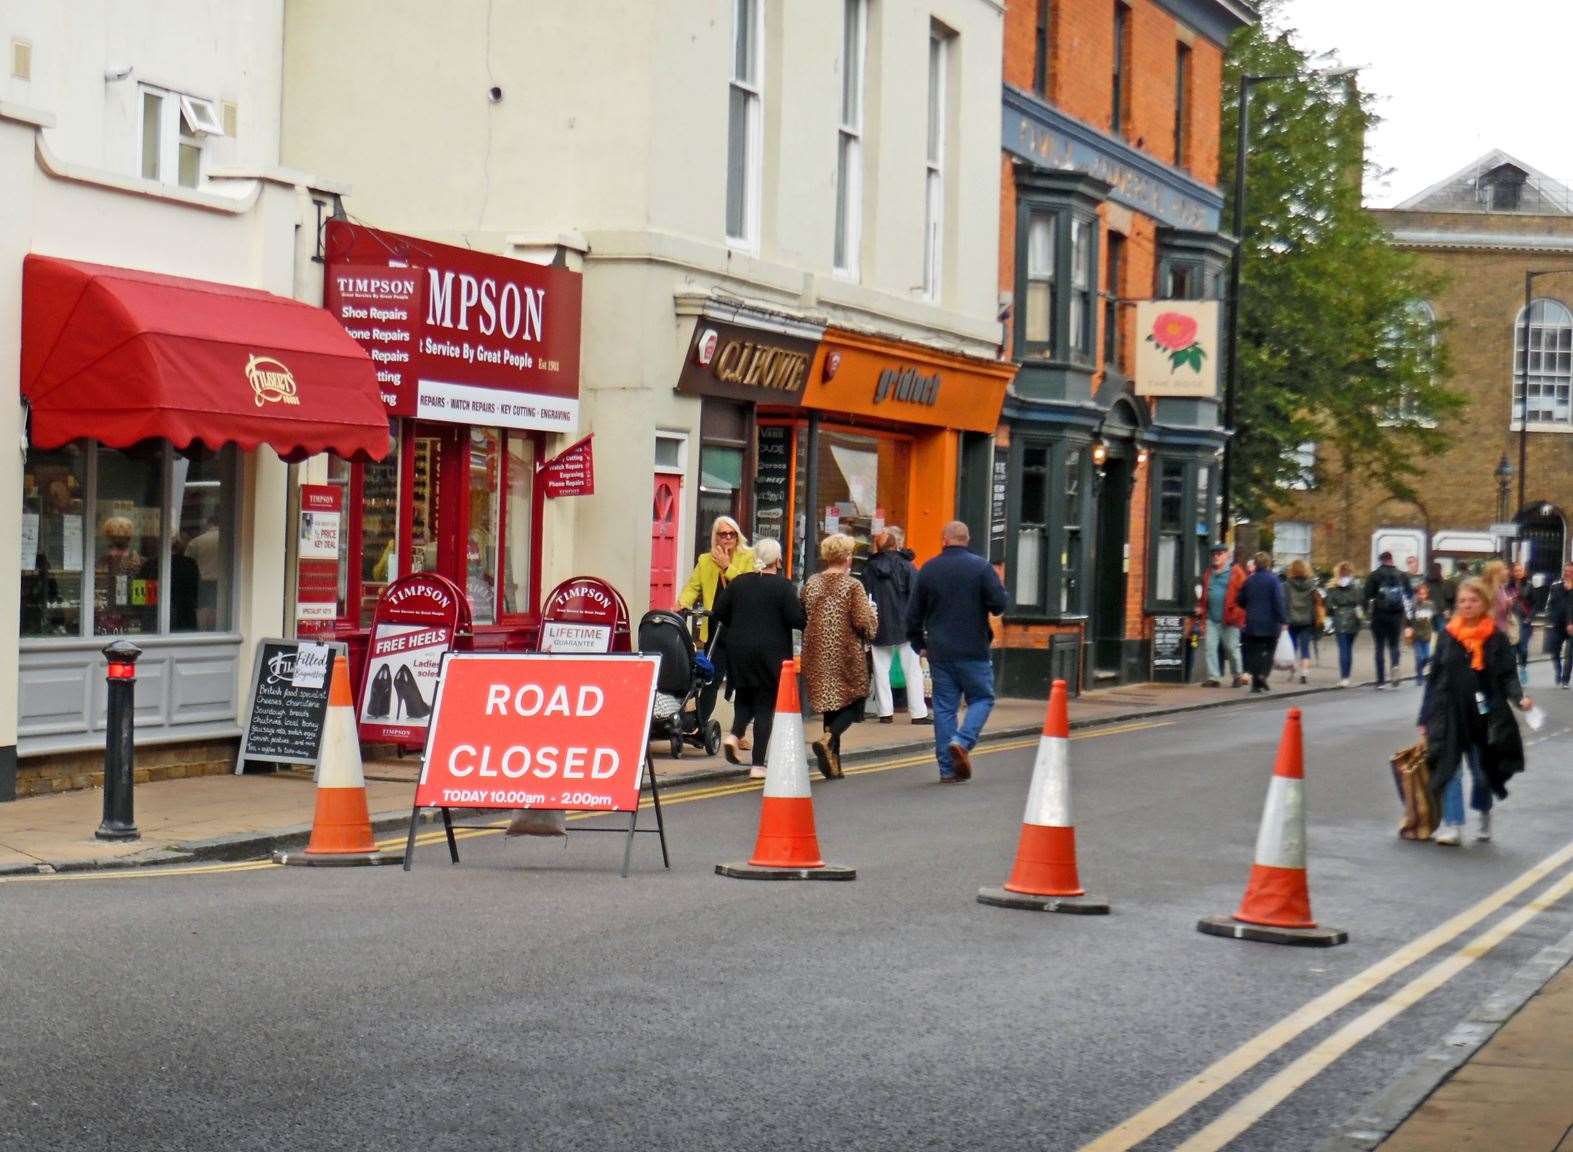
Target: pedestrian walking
841,621
1221,620
757,613
890,577
1412,577
1387,606
1343,606
1261,598
729,557
1465,716
1304,598
1422,629
1521,602
957,591
1559,627
1441,590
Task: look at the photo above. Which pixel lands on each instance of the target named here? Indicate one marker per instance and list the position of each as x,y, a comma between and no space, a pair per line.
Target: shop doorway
453,472
664,510
1108,596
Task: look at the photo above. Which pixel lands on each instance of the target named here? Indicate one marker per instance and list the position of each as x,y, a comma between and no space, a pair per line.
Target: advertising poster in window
317,559
415,624
1177,348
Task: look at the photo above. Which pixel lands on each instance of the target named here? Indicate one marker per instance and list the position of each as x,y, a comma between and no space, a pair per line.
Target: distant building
1483,228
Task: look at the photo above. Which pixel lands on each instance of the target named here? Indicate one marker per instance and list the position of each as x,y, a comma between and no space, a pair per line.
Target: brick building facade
1108,196
1482,228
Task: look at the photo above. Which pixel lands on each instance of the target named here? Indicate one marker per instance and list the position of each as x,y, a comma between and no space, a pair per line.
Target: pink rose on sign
1175,333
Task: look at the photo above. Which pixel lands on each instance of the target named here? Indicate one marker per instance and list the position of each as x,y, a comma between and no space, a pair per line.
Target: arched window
1550,364
1406,404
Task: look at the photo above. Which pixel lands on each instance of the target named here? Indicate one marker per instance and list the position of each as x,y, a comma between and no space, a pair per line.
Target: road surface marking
1246,1112
1224,1071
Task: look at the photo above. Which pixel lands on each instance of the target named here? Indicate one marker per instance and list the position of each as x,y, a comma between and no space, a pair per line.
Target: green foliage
1333,348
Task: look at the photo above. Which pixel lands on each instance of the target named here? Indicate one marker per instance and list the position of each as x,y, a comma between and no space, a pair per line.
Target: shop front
148,399
477,359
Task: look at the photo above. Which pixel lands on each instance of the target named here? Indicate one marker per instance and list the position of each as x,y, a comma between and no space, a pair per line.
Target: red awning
118,355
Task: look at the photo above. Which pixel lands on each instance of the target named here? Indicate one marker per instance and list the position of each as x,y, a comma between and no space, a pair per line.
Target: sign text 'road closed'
538,731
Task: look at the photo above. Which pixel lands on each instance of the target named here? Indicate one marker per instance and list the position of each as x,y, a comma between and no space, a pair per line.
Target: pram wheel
677,744
712,737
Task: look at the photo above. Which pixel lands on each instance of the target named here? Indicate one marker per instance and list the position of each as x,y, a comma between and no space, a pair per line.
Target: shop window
378,511
1071,602
862,486
1032,527
480,556
1202,527
519,526
144,534
1179,531
745,120
720,490
1046,557
1167,565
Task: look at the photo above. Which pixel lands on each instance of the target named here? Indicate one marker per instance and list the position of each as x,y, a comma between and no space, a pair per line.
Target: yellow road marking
470,831
1246,1112
1224,1071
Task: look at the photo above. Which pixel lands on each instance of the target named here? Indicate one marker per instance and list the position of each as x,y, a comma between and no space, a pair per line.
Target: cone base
298,858
1074,905
1229,927
742,871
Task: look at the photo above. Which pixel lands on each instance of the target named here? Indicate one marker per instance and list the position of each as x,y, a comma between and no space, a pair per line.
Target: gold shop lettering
271,381
761,366
906,384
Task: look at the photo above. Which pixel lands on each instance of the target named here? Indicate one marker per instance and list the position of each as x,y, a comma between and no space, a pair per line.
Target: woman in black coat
1465,716
759,610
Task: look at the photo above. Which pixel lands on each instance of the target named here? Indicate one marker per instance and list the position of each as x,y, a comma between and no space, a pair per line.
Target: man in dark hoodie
956,593
1387,605
890,577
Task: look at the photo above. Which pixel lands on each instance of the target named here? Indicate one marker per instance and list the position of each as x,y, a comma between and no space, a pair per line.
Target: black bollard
118,744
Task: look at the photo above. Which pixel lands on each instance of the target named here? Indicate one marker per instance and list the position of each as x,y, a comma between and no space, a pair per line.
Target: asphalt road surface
530,998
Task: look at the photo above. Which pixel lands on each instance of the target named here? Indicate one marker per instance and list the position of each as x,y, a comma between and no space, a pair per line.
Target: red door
663,541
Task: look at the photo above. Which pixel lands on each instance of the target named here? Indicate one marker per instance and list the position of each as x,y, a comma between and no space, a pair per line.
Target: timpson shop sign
739,363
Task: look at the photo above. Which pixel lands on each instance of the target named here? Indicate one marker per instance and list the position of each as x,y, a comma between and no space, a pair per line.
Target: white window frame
1543,378
934,161
1300,531
753,137
184,121
1304,456
849,140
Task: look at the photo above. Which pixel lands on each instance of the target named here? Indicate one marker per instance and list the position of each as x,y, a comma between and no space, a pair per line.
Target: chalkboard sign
284,719
1168,647
997,509
773,482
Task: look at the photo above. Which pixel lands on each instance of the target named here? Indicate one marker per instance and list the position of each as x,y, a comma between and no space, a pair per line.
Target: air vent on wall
231,117
21,60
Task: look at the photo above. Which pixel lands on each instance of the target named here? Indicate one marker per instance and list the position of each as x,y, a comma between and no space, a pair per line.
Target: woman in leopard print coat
841,620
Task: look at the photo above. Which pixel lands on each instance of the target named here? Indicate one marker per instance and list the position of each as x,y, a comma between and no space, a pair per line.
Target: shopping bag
1283,656
1412,777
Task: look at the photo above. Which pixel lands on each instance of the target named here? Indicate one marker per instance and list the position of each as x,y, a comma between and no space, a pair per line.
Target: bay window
1056,310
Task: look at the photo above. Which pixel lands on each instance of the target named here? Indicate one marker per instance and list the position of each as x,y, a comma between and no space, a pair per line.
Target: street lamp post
1504,475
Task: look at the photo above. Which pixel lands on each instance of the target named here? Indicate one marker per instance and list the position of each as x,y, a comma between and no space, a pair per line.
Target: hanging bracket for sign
541,732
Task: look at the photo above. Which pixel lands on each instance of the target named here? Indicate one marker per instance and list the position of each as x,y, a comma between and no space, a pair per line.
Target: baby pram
683,675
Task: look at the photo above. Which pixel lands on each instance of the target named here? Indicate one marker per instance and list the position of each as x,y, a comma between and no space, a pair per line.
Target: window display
53,506
863,484
129,519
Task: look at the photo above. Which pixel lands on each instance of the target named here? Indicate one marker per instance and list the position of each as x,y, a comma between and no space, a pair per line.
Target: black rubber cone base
744,871
300,858
1319,937
1074,905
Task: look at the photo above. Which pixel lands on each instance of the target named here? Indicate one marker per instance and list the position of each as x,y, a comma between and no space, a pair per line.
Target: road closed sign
538,731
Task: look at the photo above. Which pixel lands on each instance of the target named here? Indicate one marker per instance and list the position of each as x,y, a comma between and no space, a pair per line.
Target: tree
1334,349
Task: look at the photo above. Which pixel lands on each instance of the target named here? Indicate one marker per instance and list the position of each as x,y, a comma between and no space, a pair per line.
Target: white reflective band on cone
786,760
339,764
1049,798
1281,842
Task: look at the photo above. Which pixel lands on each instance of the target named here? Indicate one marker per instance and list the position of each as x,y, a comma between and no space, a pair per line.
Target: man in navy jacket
948,620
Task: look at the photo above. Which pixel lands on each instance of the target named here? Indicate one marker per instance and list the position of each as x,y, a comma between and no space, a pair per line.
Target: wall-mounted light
1142,456
1100,453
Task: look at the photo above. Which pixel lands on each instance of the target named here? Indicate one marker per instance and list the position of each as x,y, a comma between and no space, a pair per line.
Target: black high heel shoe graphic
412,705
379,698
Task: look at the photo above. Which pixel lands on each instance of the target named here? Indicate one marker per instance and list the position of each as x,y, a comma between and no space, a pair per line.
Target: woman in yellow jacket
729,557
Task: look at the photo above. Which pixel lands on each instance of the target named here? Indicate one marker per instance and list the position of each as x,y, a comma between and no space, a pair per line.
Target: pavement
529,996
236,817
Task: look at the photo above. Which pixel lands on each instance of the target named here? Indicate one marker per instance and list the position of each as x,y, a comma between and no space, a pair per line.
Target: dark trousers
840,720
757,705
1258,653
707,695
1386,633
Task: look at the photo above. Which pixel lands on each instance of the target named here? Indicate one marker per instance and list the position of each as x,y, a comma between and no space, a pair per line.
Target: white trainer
1344,683
1485,827
1451,835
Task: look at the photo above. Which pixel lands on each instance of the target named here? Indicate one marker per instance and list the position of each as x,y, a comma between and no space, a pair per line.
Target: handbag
1412,777
1283,655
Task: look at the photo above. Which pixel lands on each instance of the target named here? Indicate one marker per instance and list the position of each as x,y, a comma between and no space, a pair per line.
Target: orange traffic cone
1277,904
788,846
1044,878
341,825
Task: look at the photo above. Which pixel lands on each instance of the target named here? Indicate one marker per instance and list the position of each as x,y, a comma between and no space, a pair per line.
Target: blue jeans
1422,658
953,680
1346,654
1480,797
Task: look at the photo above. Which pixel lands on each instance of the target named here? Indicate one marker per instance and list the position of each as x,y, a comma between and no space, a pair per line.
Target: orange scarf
1473,637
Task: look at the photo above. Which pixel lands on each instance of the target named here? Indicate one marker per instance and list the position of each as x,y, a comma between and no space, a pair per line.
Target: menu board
1168,647
286,710
773,482
998,486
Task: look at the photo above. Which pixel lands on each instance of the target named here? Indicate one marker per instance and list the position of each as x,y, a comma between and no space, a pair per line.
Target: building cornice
1436,239
1214,19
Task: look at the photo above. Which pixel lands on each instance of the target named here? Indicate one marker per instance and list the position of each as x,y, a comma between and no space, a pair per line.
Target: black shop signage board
999,485
1168,648
284,717
773,481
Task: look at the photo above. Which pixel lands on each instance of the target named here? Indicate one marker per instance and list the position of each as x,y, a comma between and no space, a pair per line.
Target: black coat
1452,720
1261,598
759,610
1559,614
889,578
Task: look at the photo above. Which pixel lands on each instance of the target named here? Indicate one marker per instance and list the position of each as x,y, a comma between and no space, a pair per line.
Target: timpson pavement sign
541,732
